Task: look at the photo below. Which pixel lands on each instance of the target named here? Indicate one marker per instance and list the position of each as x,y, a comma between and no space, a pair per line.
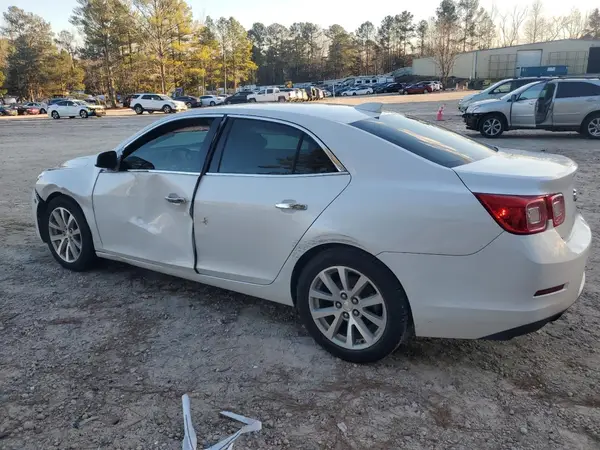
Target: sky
324,13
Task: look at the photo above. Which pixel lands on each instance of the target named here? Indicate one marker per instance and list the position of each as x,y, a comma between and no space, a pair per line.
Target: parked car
553,105
292,96
497,90
268,95
156,102
362,282
211,100
23,110
74,108
417,88
238,97
388,88
8,110
358,90
190,101
41,106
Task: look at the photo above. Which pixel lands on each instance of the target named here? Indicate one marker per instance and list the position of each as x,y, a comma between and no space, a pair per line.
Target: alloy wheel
65,234
594,127
347,308
492,126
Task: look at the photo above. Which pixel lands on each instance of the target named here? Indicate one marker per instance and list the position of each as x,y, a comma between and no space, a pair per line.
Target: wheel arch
593,113
42,209
496,113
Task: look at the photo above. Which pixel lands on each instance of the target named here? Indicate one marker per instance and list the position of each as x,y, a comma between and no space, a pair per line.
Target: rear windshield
433,143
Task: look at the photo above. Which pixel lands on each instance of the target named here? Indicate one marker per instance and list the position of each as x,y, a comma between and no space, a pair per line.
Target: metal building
580,55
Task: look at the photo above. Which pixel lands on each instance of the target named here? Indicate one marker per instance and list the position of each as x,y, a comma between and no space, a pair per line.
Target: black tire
55,115
354,93
399,322
83,114
87,257
167,109
150,112
43,111
138,109
588,123
488,126
212,103
281,99
189,105
252,100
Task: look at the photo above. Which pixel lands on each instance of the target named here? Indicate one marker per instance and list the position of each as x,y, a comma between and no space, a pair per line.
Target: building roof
596,41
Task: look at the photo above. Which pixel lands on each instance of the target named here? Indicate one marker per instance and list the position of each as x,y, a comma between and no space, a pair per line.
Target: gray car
553,105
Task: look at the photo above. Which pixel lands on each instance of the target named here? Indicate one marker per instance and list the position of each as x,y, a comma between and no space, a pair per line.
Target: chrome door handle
291,206
175,199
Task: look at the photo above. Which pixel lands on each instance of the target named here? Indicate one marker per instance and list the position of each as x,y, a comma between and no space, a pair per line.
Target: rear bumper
471,121
491,294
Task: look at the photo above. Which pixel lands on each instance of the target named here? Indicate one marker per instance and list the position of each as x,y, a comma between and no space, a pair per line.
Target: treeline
156,45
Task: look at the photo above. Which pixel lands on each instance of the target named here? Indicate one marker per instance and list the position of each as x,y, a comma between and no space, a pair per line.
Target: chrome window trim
334,160
176,172
274,175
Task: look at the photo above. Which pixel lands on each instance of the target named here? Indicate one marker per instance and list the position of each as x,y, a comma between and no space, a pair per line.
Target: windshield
521,89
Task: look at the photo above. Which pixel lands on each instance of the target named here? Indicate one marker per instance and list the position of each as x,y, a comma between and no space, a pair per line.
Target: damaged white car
377,227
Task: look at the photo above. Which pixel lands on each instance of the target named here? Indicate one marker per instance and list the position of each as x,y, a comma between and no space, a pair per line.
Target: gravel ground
101,359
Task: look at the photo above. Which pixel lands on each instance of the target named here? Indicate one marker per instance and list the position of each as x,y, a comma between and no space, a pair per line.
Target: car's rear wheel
83,114
167,109
189,105
591,126
69,237
491,126
252,100
55,115
43,111
353,306
138,109
212,103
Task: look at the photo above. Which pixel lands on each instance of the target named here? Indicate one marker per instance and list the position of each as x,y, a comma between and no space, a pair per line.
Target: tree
467,10
510,26
485,30
342,52
574,24
364,35
405,30
385,40
422,30
103,23
447,38
535,26
593,25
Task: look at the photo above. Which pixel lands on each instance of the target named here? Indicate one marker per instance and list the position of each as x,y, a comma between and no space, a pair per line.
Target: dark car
8,110
417,88
190,102
388,88
238,97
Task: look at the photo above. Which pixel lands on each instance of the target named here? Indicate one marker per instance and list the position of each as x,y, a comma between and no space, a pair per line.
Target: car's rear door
574,100
142,211
267,183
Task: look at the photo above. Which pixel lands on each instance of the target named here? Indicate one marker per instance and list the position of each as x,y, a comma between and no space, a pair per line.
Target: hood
82,161
466,98
492,102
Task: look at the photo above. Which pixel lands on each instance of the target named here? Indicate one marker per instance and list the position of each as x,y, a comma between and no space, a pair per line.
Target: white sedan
363,90
74,108
428,233
212,100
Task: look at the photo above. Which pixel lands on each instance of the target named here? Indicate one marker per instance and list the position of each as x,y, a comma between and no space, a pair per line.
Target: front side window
573,89
428,141
504,88
532,93
269,148
176,147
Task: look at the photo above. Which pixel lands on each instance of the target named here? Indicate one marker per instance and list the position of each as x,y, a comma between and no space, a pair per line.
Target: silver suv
497,90
554,105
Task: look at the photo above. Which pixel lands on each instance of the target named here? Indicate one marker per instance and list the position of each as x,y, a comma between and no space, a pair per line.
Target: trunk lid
515,172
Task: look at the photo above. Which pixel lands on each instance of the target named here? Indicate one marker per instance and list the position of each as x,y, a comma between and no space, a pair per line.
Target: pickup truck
269,95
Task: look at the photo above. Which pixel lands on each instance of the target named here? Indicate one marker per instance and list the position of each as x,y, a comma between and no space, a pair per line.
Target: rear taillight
524,214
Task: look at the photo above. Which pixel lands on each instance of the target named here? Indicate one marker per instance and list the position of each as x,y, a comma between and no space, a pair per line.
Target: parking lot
101,359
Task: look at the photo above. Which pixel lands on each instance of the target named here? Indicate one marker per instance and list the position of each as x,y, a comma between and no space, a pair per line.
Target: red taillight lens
556,206
517,214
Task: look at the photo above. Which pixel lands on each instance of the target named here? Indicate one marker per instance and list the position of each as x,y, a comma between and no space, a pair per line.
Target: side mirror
513,98
107,160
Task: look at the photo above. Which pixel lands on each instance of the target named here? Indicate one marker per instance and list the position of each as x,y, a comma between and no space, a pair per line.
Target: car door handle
175,199
291,206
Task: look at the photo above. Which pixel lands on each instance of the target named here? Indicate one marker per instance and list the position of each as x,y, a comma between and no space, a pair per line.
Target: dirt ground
100,359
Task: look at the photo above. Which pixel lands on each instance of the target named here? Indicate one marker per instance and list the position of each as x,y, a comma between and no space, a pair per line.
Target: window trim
334,160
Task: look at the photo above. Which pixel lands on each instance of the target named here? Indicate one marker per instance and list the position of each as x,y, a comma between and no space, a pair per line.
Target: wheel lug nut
354,301
346,315
344,296
338,305
355,313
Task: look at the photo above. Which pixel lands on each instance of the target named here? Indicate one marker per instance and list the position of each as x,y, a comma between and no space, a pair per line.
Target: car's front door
142,210
522,112
267,183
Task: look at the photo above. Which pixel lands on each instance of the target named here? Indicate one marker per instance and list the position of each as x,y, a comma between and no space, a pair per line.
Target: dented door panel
136,220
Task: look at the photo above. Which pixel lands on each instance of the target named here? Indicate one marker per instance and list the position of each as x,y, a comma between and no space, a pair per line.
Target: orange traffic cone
440,113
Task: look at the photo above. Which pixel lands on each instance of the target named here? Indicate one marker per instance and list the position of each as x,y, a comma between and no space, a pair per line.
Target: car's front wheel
491,126
189,105
353,306
591,126
212,103
83,114
69,237
138,109
55,115
167,109
42,111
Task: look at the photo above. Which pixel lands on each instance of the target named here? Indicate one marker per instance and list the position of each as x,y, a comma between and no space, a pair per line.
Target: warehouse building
579,55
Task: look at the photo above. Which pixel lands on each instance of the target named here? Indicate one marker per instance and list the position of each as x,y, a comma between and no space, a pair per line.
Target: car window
147,97
176,147
504,88
70,103
428,141
261,147
61,103
532,93
572,89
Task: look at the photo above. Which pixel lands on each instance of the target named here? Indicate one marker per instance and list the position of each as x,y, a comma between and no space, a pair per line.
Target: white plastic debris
190,441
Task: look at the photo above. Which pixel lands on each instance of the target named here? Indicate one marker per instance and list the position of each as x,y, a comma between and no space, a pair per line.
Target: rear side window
433,143
269,148
572,89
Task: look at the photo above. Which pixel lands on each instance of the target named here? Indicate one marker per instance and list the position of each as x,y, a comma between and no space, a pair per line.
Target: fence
502,66
577,62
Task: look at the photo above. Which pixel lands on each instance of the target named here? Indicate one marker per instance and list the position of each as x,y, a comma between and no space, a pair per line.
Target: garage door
529,58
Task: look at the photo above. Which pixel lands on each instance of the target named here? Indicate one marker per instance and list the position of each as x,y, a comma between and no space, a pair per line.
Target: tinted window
175,147
147,97
503,89
260,147
570,89
269,91
435,144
